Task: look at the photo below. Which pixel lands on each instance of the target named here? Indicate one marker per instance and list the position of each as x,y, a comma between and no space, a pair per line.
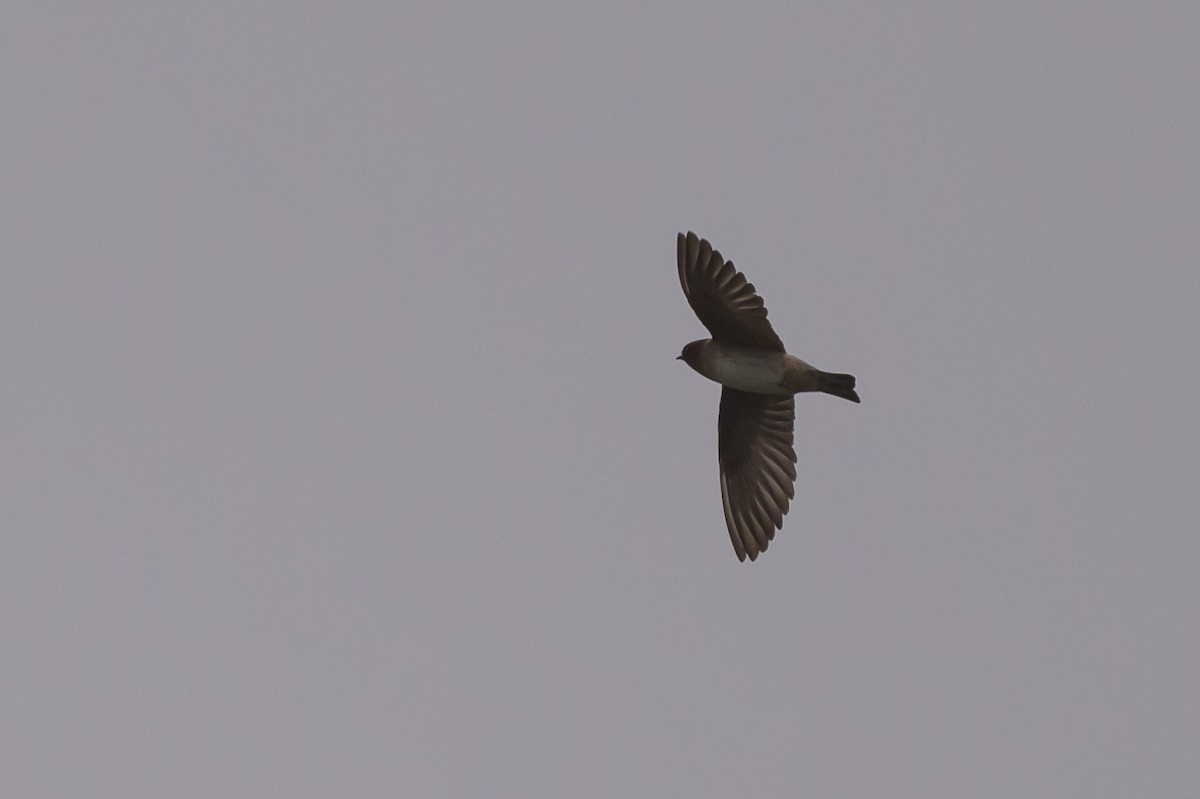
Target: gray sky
344,453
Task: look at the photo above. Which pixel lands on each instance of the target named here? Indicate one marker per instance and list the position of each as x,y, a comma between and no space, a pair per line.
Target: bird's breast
757,371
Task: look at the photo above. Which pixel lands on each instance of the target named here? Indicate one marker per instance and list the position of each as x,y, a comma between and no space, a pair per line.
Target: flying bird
759,379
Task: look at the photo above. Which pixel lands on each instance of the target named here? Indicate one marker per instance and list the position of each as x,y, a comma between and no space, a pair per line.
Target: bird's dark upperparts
759,379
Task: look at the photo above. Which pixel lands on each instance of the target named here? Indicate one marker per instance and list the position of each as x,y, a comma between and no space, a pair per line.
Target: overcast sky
343,451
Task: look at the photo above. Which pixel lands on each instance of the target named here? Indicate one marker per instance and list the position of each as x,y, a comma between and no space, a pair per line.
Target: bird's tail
839,386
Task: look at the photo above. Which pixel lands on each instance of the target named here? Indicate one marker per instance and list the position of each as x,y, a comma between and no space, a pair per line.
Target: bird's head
691,352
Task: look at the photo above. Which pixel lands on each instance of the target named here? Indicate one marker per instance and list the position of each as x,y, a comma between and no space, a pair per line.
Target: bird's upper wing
758,473
721,297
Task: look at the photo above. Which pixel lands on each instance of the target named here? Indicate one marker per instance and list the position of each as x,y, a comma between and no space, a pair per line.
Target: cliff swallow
759,379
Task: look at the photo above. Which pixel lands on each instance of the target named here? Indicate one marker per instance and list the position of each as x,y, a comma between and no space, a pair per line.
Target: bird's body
752,369
758,378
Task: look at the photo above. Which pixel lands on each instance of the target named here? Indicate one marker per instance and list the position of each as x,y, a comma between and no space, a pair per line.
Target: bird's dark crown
691,351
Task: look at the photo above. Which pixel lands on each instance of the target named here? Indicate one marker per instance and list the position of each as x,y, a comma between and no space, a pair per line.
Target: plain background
344,453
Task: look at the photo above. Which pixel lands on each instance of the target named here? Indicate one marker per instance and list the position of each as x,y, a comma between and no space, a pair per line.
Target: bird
759,380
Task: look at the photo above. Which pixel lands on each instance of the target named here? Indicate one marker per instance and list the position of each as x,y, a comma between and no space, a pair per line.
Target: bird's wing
721,297
758,473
